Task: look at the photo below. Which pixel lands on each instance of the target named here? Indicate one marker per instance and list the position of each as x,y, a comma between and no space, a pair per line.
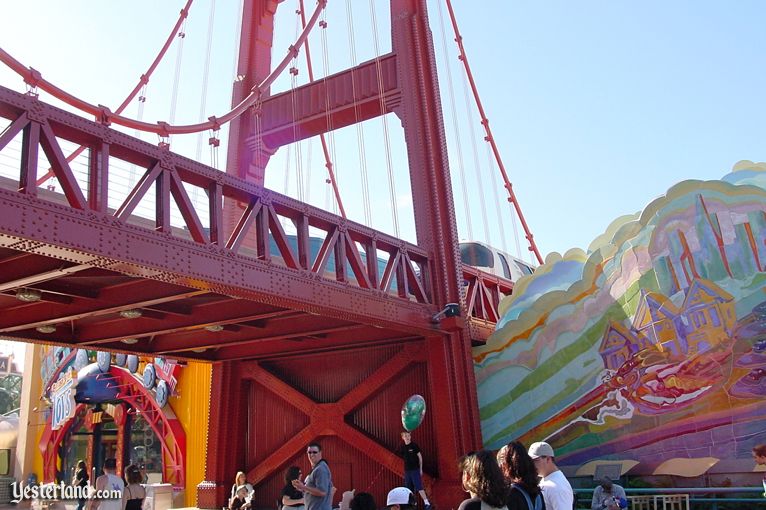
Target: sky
597,106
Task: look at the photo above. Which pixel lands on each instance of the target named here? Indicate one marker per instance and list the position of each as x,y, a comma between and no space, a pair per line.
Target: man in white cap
400,498
557,492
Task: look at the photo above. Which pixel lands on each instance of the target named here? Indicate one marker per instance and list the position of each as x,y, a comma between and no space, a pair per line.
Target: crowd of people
511,479
514,478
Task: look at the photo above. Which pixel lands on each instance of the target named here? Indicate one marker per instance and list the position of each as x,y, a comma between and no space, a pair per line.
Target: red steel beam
101,240
135,294
348,105
184,329
450,364
295,346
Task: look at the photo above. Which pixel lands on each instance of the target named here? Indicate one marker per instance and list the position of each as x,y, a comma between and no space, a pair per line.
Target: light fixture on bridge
28,295
133,313
214,328
450,310
199,350
46,328
129,341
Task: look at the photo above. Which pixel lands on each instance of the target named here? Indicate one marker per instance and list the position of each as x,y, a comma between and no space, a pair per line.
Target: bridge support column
225,448
449,358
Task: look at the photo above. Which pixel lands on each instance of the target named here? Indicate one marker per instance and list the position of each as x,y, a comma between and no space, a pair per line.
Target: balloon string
374,479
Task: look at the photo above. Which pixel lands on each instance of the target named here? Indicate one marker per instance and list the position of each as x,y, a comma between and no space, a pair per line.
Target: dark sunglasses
312,452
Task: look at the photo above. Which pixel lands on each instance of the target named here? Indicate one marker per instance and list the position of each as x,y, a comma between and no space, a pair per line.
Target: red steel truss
329,329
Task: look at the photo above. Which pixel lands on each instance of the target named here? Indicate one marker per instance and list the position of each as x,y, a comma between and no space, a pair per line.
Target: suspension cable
325,151
496,196
455,125
384,119
328,118
359,127
490,139
140,86
164,129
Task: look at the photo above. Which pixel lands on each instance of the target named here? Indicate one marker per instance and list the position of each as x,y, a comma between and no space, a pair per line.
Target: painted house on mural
705,319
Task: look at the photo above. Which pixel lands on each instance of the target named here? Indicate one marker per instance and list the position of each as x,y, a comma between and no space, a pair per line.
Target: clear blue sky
598,106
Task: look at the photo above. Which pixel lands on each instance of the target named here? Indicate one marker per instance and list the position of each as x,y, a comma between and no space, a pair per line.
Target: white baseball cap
540,449
399,496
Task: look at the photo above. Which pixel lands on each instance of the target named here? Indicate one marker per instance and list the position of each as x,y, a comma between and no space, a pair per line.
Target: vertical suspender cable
514,224
496,196
384,119
332,174
456,127
137,134
297,144
286,188
140,86
177,77
490,139
205,75
323,141
359,127
476,164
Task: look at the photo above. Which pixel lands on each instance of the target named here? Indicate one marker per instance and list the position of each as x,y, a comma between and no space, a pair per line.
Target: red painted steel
348,105
350,399
313,343
161,128
491,139
313,388
81,234
449,359
142,82
484,292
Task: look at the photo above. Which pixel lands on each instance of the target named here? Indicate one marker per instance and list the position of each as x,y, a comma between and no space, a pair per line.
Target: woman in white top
240,479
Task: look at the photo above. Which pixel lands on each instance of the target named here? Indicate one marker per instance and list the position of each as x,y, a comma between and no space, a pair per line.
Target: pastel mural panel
650,346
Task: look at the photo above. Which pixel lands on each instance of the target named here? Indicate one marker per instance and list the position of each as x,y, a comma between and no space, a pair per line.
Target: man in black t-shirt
413,467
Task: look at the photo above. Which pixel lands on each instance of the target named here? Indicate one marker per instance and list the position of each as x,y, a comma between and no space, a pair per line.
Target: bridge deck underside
86,306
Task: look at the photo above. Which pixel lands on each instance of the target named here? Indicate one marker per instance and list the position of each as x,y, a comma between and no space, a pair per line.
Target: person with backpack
521,477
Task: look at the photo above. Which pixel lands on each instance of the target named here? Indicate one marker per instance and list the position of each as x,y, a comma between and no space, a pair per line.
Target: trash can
159,496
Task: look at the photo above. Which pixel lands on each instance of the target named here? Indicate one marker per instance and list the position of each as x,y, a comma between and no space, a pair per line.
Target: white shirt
113,483
557,492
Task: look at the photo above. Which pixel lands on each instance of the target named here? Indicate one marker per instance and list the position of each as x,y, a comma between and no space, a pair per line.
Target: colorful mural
649,347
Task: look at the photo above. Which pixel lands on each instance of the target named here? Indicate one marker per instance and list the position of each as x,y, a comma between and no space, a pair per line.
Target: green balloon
413,412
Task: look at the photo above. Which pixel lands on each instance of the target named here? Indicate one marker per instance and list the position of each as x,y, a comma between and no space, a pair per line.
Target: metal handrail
706,495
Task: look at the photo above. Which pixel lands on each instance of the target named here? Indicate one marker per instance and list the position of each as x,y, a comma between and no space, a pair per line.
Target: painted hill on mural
650,347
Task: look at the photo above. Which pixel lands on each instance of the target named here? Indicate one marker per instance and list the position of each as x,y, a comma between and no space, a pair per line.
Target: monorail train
485,257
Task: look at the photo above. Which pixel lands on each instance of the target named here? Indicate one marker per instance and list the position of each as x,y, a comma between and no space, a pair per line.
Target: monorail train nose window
506,267
476,255
525,269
